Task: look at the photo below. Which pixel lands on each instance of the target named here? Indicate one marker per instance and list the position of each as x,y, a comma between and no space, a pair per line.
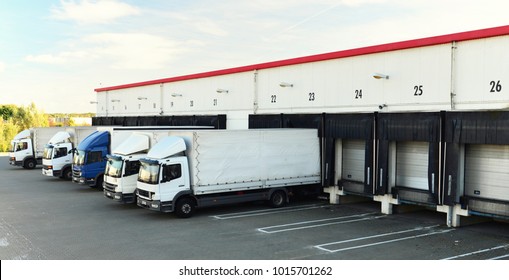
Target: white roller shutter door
353,160
412,165
487,171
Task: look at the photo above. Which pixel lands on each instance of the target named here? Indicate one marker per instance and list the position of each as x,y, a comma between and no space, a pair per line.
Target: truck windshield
113,168
48,151
79,157
149,173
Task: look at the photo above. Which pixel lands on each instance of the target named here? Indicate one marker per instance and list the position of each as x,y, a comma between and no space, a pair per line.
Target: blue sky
56,52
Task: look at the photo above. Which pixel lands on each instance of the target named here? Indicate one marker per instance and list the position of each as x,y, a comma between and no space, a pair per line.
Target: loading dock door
353,161
487,171
412,165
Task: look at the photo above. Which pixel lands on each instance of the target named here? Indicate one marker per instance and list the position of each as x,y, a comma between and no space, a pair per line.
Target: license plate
143,202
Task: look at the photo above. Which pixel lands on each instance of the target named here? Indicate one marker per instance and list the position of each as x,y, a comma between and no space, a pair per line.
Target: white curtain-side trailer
204,168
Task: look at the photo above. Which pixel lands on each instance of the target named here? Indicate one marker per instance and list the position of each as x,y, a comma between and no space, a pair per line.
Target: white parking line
322,246
267,211
479,252
318,223
499,257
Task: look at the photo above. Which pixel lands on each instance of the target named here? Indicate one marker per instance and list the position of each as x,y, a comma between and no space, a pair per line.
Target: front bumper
120,197
155,205
83,181
15,163
51,172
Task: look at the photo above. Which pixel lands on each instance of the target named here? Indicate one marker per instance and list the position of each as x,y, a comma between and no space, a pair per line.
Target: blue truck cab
89,159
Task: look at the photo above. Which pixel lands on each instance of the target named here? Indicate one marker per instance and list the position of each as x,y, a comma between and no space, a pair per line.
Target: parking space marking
267,211
481,252
380,236
319,223
500,257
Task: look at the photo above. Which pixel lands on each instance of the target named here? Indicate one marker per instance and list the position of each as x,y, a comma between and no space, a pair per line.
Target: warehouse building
420,122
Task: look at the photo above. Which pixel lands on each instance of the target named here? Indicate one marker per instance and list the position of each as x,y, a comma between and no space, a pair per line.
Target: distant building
70,121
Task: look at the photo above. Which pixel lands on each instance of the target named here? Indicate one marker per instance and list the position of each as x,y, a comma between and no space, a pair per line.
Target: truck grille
76,173
109,187
143,193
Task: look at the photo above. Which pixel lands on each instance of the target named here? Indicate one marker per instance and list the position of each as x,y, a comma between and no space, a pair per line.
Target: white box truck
27,147
121,173
59,151
205,168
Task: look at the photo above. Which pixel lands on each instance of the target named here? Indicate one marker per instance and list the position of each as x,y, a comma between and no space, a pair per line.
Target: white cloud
2,67
93,11
133,50
137,51
59,58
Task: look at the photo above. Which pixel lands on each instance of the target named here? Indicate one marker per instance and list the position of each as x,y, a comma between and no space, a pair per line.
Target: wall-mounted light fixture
379,76
285,84
381,106
115,100
220,90
93,102
142,98
176,94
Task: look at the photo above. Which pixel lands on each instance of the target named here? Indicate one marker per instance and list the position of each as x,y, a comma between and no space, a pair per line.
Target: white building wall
482,71
420,79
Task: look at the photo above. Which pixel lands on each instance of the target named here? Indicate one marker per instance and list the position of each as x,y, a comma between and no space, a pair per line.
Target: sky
56,52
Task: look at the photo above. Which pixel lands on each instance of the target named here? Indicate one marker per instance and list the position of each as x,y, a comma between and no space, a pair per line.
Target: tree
7,111
14,119
7,132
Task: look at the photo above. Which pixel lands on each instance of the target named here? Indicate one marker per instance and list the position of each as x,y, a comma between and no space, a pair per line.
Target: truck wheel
99,183
30,164
67,174
184,207
277,199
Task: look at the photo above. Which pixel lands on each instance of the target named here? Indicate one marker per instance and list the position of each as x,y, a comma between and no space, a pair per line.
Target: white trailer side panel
228,160
80,132
486,171
41,137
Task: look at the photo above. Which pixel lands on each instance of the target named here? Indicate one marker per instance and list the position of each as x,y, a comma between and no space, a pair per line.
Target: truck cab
120,177
161,182
164,176
58,155
90,159
22,151
122,168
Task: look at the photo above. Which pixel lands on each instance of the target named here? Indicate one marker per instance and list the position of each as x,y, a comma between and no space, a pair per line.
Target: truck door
172,181
95,163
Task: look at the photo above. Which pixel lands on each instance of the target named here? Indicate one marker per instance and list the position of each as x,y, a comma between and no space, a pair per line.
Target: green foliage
15,119
7,132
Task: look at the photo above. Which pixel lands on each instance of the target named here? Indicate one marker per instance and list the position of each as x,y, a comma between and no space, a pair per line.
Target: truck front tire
67,174
184,207
98,183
